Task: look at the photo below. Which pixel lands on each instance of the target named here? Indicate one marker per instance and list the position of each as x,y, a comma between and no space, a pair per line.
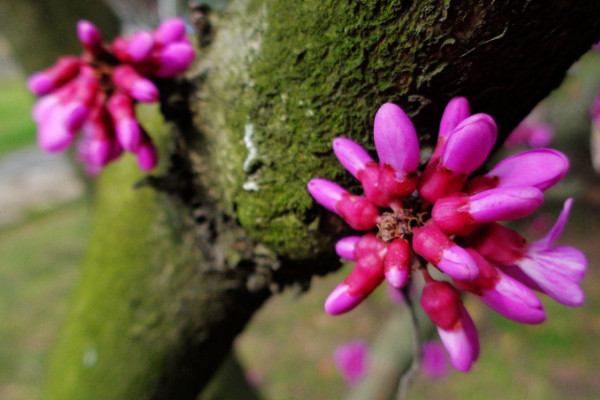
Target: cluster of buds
96,93
442,216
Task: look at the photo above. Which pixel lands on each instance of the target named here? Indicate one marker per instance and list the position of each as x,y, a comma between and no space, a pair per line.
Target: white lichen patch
250,146
251,186
90,357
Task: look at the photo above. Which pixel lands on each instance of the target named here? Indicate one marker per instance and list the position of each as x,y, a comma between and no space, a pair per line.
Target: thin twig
411,373
407,378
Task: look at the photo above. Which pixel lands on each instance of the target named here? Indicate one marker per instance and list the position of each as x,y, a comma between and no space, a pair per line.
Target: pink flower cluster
443,215
96,93
352,360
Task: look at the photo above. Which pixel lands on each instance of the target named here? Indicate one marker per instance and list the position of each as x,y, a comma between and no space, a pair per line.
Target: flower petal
553,275
556,230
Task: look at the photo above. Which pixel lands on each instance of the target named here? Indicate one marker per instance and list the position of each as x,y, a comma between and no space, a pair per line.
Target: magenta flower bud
345,247
364,278
341,300
430,243
357,211
42,108
457,264
457,110
120,48
465,149
174,59
75,114
147,155
326,193
540,168
90,37
369,245
79,101
504,204
45,81
351,155
120,108
128,134
171,30
460,214
397,263
53,135
469,144
99,151
140,46
128,80
461,342
441,302
98,132
514,301
396,140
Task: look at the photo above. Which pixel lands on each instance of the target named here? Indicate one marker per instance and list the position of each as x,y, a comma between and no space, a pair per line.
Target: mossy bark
177,267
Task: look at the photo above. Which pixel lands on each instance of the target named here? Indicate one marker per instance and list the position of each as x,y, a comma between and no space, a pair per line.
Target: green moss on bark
304,83
283,81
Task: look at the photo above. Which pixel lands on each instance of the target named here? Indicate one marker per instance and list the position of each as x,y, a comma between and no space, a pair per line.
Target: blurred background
288,350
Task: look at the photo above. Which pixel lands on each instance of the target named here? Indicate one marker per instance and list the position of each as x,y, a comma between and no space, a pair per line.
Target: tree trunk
177,267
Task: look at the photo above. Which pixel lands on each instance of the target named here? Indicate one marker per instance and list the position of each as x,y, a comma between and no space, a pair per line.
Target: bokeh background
288,348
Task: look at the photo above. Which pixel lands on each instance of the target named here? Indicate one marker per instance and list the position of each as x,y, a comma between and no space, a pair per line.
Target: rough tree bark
177,266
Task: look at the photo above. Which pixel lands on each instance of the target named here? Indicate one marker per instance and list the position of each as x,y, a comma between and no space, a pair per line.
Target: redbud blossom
444,216
97,92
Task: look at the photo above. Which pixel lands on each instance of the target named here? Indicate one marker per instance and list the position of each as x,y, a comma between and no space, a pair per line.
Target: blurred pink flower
530,133
254,377
96,93
352,360
434,362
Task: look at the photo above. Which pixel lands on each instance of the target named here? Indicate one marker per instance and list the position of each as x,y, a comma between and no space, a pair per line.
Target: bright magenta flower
440,214
96,93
